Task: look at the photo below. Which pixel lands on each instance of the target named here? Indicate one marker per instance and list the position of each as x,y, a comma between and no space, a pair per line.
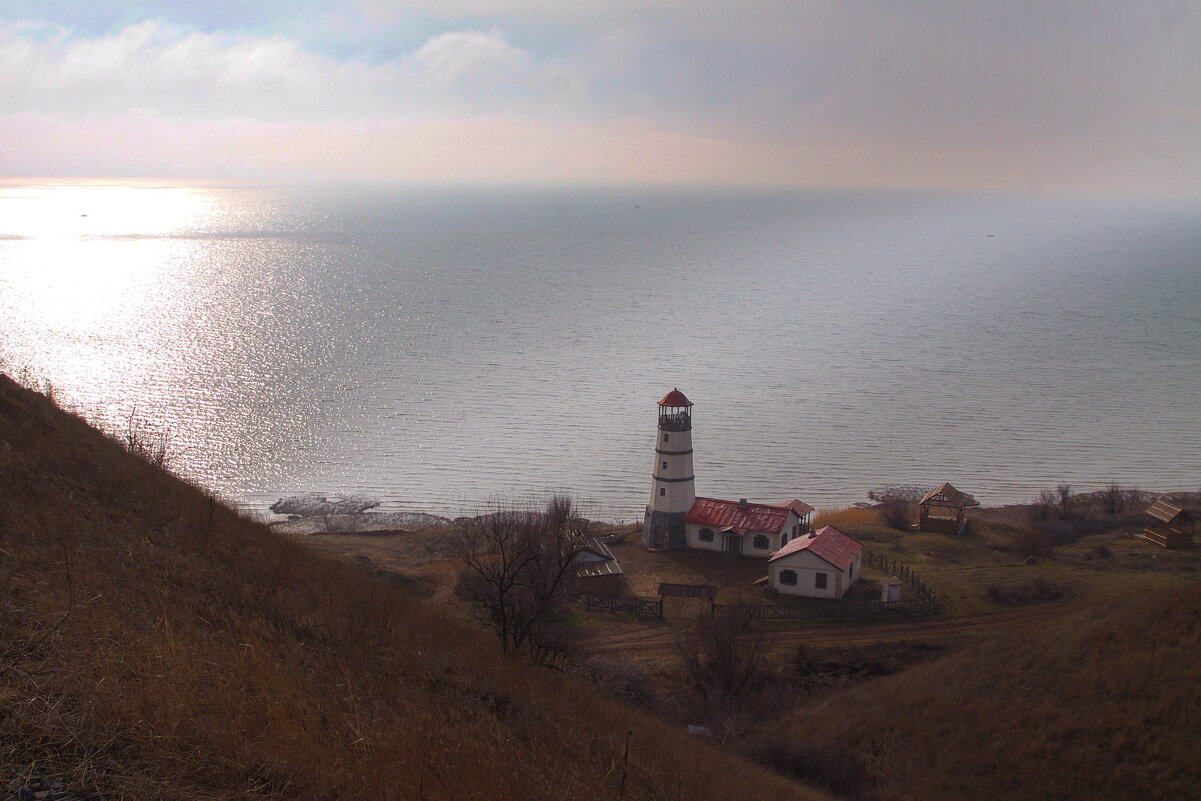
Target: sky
1093,96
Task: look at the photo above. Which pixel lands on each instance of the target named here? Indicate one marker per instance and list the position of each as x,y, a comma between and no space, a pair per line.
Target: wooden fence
905,573
643,607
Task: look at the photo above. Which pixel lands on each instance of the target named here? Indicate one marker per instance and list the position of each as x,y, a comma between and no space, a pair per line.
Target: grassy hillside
1105,704
156,645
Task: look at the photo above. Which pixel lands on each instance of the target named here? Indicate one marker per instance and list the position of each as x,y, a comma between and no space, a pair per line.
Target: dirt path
662,637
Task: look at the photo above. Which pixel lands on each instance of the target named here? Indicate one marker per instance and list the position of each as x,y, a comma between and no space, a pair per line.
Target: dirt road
634,638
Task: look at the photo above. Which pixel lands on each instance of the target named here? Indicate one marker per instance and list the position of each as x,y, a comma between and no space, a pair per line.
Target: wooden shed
943,509
597,569
1169,525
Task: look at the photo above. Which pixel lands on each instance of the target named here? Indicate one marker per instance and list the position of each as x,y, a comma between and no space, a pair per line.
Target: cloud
896,92
472,57
176,72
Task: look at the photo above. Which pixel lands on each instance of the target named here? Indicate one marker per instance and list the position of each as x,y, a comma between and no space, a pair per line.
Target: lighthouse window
665,465
706,535
788,577
662,491
666,437
761,542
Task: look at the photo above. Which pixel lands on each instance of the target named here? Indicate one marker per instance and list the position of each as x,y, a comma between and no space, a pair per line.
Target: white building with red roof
818,564
676,518
742,527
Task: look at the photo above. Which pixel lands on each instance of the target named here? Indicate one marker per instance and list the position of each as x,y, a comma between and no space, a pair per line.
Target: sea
445,349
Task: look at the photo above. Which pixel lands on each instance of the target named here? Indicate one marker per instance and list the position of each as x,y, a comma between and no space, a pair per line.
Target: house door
733,544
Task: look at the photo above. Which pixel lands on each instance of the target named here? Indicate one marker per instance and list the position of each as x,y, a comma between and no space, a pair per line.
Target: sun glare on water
86,271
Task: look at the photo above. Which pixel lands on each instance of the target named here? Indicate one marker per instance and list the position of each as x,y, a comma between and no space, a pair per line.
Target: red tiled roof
828,543
800,507
729,515
675,398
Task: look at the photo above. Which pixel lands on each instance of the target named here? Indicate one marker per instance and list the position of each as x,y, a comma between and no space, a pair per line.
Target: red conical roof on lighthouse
675,398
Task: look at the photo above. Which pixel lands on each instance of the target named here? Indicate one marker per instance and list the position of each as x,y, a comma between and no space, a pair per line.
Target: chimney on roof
812,533
742,503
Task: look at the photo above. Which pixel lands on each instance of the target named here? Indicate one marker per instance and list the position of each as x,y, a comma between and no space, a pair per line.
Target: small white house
741,527
819,564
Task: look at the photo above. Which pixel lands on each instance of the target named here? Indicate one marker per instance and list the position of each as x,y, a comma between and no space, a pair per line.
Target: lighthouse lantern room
673,486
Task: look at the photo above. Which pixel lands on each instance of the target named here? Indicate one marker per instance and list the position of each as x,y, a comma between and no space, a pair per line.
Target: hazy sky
1076,95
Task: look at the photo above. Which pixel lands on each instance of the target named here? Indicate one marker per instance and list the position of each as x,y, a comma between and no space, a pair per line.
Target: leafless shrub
897,503
1064,494
898,514
145,441
1136,498
1112,498
723,659
723,653
518,575
1044,505
1034,543
630,683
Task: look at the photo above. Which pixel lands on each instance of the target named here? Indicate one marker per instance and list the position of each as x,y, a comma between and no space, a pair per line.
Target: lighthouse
673,485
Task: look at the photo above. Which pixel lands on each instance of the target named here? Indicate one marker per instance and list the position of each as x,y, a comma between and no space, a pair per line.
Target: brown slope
1104,704
156,645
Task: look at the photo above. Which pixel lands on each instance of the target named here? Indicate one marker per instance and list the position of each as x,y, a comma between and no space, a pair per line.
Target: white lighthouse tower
673,485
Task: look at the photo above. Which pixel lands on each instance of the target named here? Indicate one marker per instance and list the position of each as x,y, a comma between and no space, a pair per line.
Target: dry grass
1101,705
157,645
848,516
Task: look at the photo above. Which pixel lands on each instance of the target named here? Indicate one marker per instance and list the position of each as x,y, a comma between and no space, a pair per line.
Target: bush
1036,543
898,514
630,683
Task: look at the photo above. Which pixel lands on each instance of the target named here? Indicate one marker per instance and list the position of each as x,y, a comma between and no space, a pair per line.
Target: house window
761,542
665,465
788,577
666,437
819,580
662,491
706,535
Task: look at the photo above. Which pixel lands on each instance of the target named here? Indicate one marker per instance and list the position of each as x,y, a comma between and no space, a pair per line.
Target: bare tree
722,653
518,574
723,658
1044,505
1065,500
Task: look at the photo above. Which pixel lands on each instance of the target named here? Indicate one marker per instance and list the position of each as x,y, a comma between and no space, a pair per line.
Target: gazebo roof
950,493
675,398
1167,512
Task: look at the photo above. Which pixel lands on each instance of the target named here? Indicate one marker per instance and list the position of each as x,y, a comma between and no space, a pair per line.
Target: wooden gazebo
943,509
1169,525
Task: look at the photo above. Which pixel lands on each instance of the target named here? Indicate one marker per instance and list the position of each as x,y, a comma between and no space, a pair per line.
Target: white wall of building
694,538
807,566
774,541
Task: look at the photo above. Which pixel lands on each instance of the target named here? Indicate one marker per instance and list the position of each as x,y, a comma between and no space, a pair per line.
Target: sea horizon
439,348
